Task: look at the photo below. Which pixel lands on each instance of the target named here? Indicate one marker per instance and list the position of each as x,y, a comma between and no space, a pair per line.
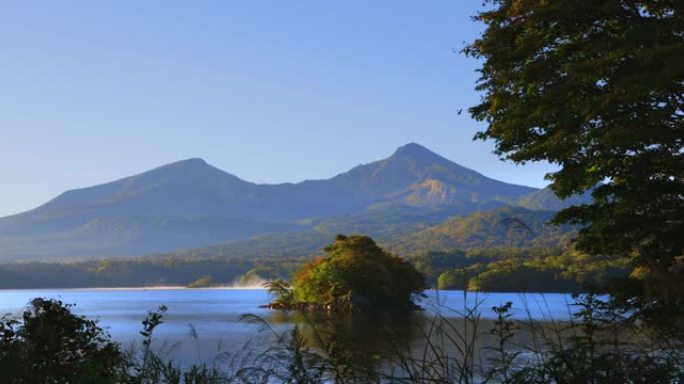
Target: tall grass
597,345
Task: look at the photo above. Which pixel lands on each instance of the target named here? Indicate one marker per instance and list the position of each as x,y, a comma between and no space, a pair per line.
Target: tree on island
597,88
355,274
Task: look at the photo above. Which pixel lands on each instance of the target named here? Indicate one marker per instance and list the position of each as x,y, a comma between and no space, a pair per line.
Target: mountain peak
412,149
418,154
194,165
191,169
191,162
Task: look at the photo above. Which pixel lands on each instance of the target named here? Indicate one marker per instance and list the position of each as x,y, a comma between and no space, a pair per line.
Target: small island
356,275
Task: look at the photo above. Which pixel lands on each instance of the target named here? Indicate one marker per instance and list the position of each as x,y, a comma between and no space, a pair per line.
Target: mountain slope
192,204
407,232
501,227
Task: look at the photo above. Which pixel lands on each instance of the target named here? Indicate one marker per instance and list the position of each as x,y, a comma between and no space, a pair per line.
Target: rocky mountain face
191,204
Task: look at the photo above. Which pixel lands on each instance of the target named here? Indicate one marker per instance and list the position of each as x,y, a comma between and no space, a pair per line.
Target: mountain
417,177
192,204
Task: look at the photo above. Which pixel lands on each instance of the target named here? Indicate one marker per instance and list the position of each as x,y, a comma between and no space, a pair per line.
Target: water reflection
372,333
377,340
215,314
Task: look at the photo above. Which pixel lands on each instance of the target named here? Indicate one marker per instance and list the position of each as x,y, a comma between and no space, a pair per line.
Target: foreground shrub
52,345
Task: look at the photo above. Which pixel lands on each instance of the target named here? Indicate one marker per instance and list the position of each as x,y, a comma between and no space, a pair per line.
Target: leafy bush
52,345
356,271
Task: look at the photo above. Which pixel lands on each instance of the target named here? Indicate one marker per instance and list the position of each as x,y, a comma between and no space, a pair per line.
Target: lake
203,323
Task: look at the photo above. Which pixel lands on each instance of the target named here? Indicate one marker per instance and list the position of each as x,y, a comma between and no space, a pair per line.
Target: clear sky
271,91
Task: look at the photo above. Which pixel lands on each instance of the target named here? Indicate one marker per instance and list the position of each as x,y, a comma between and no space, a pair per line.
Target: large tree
597,87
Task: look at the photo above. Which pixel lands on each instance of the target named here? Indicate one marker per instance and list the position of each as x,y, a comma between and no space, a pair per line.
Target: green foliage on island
282,293
355,274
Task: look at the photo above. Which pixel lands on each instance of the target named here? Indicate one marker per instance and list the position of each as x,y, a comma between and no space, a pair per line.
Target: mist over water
252,282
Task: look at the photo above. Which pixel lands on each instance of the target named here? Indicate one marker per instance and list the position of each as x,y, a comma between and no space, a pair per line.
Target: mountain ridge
190,203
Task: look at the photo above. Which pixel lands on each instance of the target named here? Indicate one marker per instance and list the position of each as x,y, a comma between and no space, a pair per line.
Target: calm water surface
215,314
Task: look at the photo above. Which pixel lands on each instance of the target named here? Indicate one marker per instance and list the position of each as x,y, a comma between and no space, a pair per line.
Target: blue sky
271,91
